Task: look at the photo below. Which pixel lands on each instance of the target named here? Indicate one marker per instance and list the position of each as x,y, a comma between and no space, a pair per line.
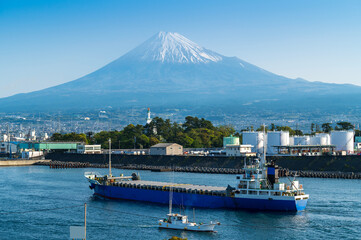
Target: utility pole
84,221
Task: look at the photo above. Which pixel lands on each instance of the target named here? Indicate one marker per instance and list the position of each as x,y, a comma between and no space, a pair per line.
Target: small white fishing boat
180,222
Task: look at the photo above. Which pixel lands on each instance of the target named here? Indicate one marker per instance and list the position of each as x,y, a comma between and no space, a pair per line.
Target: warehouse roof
162,145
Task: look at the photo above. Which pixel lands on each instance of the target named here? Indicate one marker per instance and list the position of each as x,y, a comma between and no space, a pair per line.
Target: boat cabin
176,218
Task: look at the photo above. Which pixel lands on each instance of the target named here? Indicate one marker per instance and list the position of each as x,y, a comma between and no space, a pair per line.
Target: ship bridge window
238,177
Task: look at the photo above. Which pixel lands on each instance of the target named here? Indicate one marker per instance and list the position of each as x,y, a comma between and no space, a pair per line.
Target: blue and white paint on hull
274,203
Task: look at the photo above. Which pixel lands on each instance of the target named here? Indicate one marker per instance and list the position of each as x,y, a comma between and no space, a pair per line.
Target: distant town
29,135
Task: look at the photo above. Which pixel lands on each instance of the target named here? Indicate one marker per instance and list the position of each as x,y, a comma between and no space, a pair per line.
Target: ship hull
279,203
199,228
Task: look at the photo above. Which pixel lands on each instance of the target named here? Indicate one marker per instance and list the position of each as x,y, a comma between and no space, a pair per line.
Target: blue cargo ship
258,188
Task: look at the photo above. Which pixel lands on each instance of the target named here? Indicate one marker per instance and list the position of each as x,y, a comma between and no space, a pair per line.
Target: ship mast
263,159
110,157
171,195
170,200
84,221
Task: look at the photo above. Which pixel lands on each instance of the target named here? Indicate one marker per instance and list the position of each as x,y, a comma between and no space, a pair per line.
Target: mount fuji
172,71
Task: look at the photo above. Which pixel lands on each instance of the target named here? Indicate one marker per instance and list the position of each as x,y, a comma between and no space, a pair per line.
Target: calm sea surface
333,211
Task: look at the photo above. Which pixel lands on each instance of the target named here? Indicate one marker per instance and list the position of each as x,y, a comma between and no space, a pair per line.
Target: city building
31,154
166,149
49,146
236,150
358,143
89,149
7,147
358,146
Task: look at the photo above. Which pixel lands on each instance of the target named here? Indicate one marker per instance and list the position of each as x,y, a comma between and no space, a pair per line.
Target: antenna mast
171,195
170,199
264,146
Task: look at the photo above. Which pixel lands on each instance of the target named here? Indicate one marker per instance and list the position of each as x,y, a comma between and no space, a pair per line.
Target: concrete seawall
309,163
351,163
283,172
21,162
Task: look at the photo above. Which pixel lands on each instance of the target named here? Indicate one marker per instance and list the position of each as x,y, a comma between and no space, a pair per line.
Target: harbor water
42,203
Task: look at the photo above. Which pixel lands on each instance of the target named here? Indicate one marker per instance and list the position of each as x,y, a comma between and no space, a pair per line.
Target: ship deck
179,185
176,187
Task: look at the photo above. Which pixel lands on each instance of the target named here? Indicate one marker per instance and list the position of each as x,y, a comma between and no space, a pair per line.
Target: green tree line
193,133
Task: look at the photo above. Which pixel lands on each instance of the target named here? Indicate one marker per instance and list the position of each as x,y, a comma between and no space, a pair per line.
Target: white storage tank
343,140
277,138
315,140
302,140
292,141
325,138
230,141
256,139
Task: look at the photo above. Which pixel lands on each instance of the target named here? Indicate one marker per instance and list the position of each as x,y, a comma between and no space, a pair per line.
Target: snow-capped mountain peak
173,48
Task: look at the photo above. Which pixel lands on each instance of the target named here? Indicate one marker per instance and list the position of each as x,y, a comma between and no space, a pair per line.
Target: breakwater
282,171
350,163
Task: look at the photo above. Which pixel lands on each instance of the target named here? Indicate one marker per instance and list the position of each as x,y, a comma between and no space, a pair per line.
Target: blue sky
45,43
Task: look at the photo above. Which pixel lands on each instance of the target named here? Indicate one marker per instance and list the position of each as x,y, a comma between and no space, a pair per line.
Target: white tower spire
148,118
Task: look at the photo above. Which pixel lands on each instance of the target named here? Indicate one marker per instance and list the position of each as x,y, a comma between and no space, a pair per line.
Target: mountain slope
169,69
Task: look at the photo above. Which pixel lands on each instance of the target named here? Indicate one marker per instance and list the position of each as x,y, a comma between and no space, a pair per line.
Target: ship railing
89,174
120,178
269,185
